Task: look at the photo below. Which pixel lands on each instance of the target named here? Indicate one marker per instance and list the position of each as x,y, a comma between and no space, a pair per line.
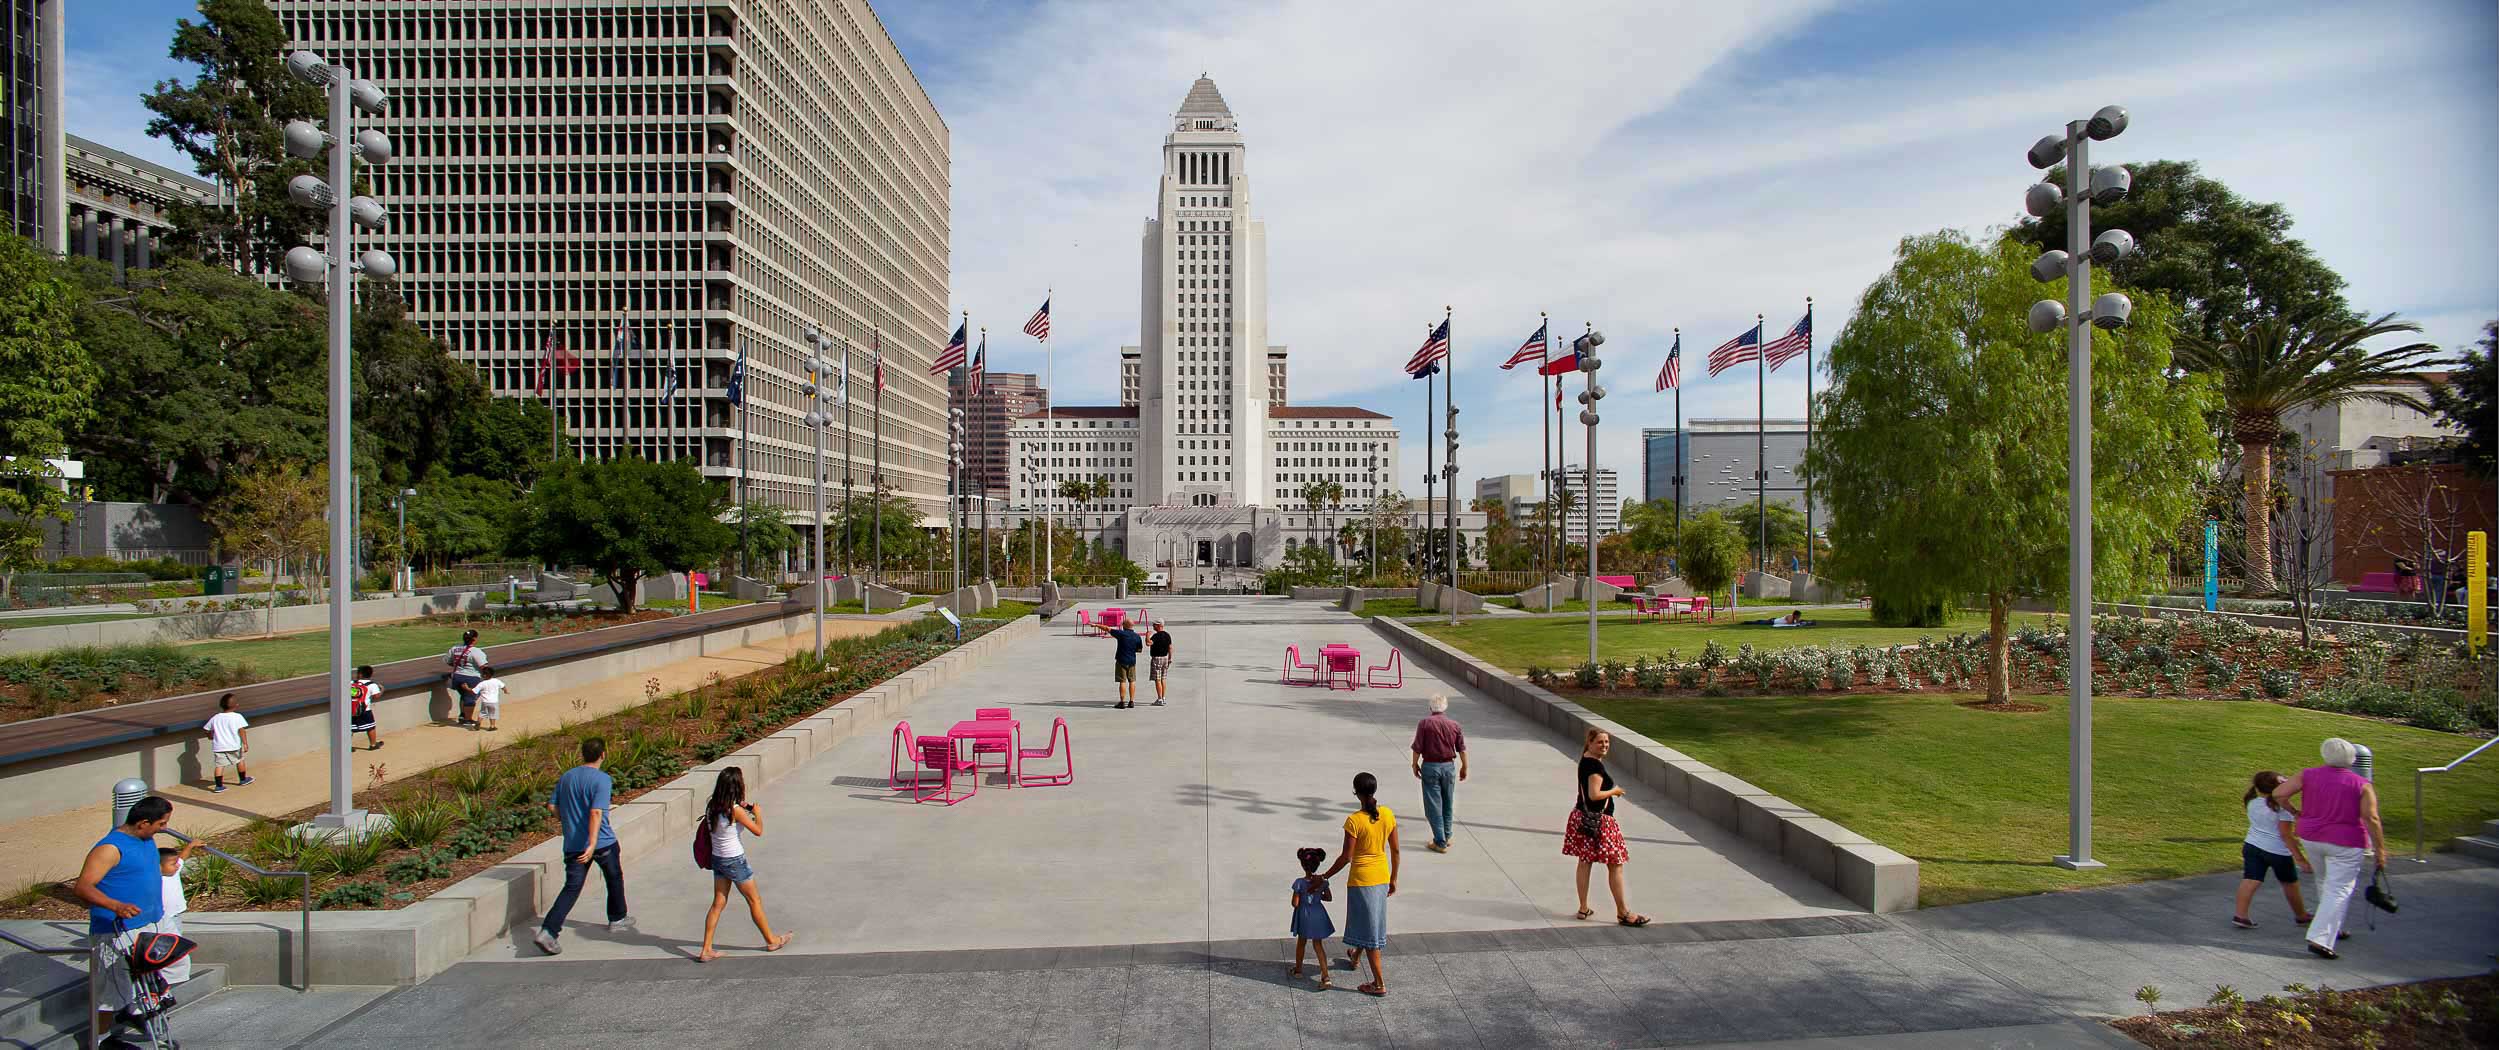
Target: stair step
55,1015
2485,847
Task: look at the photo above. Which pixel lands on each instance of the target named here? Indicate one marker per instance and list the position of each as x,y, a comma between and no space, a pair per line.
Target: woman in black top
1592,836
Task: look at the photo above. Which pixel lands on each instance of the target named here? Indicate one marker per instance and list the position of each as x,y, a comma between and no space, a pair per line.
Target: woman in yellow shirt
1371,850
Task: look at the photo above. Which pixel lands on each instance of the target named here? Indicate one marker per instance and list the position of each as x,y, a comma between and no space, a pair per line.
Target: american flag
1531,350
1435,350
951,357
1671,376
1786,348
1039,326
1737,350
555,359
980,359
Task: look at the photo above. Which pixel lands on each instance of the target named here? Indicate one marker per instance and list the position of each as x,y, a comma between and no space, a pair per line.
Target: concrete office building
1663,455
33,141
1724,454
1519,494
118,204
1207,459
662,189
1609,503
2357,434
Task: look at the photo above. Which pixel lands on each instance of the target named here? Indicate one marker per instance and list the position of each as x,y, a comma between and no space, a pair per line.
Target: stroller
151,997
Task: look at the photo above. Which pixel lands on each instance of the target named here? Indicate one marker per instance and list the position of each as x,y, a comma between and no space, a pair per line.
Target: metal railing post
2419,832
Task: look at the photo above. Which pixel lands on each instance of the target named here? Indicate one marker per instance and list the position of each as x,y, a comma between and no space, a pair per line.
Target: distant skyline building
1724,453
1005,398
662,190
118,204
1660,448
1609,503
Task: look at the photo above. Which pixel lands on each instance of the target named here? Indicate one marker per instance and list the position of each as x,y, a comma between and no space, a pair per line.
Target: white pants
180,971
2339,872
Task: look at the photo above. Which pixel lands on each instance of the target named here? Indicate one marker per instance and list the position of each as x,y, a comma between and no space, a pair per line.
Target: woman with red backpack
720,847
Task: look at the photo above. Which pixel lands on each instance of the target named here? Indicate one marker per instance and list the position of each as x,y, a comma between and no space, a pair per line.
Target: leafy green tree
1388,523
231,123
458,517
2469,401
47,392
625,519
1942,444
1712,553
412,396
2225,259
2266,369
1316,496
889,512
764,533
273,513
1787,530
504,438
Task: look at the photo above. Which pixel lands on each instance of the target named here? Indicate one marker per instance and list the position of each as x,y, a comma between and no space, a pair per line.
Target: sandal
1584,913
1296,971
1631,920
1374,989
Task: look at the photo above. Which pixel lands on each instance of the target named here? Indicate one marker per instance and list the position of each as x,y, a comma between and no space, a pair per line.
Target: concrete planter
427,937
237,620
1874,876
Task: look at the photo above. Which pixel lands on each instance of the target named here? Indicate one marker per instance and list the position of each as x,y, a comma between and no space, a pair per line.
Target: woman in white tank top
727,818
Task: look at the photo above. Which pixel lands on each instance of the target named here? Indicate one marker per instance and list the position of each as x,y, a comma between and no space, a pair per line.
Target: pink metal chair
938,753
984,714
1293,665
1059,738
1085,624
1396,664
1345,663
992,747
903,746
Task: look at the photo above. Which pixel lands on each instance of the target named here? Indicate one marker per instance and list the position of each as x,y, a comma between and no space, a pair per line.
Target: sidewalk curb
416,942
1874,876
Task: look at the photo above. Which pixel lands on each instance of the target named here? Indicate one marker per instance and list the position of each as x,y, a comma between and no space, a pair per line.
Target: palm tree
2268,368
1318,494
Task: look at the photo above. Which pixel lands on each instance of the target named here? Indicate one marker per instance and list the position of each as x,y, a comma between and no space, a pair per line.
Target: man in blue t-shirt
1124,669
124,887
581,805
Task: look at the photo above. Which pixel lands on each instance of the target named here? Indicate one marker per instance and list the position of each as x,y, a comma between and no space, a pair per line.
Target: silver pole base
2070,864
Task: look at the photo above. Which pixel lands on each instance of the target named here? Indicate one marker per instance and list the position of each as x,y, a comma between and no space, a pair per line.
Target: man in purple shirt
1439,762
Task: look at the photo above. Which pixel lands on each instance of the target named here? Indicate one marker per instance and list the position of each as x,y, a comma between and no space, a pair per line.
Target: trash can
217,579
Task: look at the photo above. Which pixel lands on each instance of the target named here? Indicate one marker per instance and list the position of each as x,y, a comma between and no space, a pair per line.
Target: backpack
703,842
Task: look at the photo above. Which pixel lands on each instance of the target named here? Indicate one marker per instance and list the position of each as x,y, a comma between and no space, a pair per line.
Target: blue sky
1637,163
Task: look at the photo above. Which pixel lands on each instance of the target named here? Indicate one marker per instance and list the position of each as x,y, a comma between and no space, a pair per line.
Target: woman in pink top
2339,823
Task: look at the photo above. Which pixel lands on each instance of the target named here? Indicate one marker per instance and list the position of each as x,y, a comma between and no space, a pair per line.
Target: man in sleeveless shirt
124,887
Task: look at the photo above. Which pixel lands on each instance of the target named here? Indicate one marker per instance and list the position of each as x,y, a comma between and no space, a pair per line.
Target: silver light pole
2083,185
407,576
954,495
814,389
1586,347
336,267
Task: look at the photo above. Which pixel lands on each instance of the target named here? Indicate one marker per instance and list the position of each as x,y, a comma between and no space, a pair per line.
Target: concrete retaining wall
236,622
1759,584
1875,876
416,942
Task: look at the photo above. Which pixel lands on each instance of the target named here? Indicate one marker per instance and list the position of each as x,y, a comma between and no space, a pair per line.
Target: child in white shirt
489,691
229,736
169,863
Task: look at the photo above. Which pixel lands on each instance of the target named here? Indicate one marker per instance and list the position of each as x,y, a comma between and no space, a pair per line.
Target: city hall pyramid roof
1204,101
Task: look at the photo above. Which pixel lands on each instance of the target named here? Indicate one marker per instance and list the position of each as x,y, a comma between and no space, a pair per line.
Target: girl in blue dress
1311,925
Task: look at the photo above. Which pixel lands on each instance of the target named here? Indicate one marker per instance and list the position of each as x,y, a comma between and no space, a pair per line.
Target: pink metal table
1005,734
1343,659
1110,617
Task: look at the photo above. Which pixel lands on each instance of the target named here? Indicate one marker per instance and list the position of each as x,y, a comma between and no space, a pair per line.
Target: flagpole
1449,373
1682,441
876,465
1431,473
849,564
1544,321
746,485
1809,434
980,402
1761,437
1049,563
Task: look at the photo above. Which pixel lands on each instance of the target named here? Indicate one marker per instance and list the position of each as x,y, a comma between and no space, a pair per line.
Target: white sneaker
623,925
546,942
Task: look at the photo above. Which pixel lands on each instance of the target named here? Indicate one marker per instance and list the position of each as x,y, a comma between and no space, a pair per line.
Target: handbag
1591,822
703,843
2381,893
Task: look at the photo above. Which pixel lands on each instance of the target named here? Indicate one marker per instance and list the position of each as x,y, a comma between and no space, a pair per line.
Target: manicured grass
1009,609
302,654
710,602
1399,608
1513,643
855,607
7,623
1978,797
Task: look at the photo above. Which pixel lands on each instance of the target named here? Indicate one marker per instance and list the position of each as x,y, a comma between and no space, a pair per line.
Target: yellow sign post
2477,590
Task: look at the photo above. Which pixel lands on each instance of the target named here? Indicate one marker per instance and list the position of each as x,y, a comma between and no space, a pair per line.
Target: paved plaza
1144,906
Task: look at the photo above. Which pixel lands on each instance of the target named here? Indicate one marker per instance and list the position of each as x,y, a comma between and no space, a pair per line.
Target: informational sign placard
2212,566
2477,590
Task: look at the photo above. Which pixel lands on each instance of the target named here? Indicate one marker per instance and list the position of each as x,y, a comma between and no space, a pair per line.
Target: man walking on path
581,805
1124,664
229,736
1440,763
123,886
1160,670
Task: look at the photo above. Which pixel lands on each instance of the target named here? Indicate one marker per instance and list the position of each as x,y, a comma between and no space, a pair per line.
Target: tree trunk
2256,468
624,583
1999,662
269,617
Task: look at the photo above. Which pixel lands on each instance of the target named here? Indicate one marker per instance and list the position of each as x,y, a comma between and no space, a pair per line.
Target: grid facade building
661,189
33,141
1005,398
1725,453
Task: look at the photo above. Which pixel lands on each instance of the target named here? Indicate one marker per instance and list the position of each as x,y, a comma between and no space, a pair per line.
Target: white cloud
101,89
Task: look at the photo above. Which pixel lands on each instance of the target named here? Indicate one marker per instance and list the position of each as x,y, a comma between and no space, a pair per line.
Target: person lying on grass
1794,618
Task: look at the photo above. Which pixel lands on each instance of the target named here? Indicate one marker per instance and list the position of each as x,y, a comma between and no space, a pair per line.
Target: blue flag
737,380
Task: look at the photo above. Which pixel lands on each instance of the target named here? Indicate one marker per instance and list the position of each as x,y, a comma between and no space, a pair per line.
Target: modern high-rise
33,141
1609,504
1005,398
661,189
1726,452
1662,457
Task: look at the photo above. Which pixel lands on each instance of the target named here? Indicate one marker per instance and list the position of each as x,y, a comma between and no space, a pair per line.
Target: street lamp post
2083,186
954,494
1586,347
816,420
407,578
335,267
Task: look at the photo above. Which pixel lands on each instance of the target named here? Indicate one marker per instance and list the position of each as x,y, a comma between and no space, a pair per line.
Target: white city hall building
1206,461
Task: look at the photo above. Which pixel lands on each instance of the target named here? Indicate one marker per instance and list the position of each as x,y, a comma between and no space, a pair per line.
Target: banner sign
2212,566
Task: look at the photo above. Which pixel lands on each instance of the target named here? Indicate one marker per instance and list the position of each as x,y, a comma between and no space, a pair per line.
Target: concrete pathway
1183,820
50,847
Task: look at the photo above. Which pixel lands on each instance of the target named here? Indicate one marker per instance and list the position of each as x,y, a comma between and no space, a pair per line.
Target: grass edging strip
1872,875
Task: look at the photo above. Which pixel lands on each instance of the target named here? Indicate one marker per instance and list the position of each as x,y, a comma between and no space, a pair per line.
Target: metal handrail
92,995
2418,775
303,941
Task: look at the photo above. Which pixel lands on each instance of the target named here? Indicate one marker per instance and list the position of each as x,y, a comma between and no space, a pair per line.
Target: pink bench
1624,582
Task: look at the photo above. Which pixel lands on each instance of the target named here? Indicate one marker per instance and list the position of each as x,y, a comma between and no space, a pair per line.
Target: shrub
351,895
1587,675
419,866
274,844
206,875
2445,710
474,777
418,825
1651,678
2277,683
350,855
269,890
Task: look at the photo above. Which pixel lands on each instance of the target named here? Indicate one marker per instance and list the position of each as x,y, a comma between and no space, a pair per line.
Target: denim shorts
734,869
2254,862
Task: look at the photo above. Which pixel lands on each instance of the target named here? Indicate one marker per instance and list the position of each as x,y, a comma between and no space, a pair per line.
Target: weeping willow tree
1941,446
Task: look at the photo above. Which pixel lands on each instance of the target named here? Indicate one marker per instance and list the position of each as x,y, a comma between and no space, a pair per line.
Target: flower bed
40,685
454,821
2453,1013
2411,679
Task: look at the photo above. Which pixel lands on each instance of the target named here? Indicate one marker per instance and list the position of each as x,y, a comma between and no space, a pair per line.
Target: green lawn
855,607
1398,608
55,621
710,602
301,654
1978,797
1510,601
1513,642
1008,609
